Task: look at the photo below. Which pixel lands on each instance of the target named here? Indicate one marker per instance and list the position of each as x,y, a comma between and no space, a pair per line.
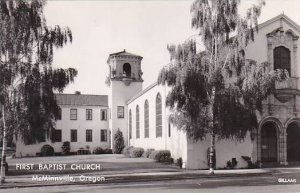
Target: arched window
127,70
282,58
130,124
158,115
137,122
146,118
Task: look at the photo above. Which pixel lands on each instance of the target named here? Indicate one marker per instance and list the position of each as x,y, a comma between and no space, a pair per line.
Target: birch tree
217,92
27,78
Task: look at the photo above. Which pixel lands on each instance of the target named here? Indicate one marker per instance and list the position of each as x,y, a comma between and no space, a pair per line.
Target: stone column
281,147
285,147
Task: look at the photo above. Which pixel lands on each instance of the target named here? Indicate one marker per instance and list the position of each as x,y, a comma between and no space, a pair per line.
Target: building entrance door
268,142
293,142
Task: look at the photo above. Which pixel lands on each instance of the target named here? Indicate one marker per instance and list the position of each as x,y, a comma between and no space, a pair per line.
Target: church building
142,116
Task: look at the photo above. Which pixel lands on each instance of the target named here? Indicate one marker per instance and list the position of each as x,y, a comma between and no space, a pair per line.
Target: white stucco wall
194,154
176,143
258,50
226,149
120,93
65,124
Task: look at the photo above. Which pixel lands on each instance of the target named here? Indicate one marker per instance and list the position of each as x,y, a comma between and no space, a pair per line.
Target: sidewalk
138,176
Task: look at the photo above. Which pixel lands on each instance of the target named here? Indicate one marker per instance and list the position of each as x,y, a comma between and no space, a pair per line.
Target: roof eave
281,16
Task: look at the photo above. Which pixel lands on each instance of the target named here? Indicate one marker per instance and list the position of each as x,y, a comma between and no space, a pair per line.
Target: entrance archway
269,142
293,142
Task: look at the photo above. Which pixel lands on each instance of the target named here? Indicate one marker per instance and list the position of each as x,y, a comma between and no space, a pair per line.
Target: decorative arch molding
287,39
292,139
270,119
291,120
281,139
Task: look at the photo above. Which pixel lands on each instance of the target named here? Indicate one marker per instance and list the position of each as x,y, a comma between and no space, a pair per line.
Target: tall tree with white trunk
27,79
217,92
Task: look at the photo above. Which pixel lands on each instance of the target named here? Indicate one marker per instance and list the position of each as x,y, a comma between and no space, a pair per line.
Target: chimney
77,92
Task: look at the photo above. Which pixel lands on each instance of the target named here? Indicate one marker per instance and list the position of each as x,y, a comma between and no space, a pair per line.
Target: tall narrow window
103,135
282,58
120,111
158,116
73,135
89,114
130,124
59,114
146,118
73,114
137,122
89,135
103,114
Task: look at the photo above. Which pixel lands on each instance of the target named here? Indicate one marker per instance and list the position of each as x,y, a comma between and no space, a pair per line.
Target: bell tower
125,81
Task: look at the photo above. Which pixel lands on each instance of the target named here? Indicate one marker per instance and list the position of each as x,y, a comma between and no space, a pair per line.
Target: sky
141,27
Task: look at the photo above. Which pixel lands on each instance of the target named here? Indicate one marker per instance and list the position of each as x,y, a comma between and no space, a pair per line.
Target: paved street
255,184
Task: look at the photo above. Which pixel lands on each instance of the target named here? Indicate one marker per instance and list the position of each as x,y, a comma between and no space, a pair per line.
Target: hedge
47,150
147,153
161,155
126,150
136,152
99,150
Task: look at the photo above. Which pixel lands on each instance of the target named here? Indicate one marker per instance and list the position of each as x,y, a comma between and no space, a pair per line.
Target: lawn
114,163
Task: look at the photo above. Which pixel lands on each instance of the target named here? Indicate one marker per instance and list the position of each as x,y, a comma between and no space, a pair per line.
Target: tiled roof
123,53
82,100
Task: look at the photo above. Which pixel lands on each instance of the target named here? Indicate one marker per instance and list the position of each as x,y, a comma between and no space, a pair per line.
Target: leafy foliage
126,150
66,147
119,143
217,91
27,79
147,152
47,150
136,152
161,155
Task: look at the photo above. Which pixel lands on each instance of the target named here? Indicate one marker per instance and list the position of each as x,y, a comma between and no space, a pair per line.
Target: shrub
126,150
98,150
136,152
47,150
148,152
118,142
161,155
66,148
251,165
83,151
231,163
107,151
